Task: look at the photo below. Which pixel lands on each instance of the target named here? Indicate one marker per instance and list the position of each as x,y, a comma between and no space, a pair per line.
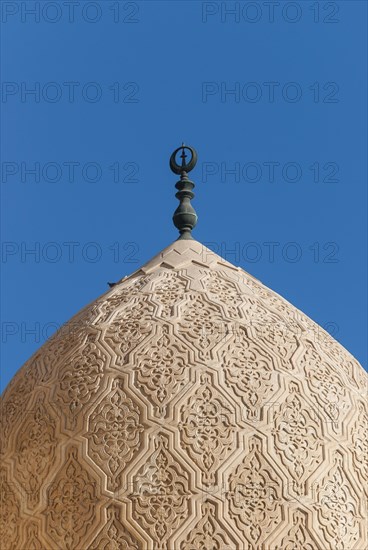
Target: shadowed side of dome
188,406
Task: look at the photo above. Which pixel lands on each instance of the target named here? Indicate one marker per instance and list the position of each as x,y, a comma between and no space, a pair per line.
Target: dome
188,408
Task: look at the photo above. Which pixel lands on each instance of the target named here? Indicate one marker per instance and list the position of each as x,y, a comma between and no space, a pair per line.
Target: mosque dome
188,408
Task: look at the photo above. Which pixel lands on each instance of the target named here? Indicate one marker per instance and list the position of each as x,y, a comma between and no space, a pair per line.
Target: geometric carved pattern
19,391
279,338
248,371
161,369
169,292
128,329
207,428
360,443
338,507
9,513
255,496
298,537
33,542
161,494
208,533
297,439
188,408
35,450
202,324
326,385
80,378
114,433
225,292
114,535
71,503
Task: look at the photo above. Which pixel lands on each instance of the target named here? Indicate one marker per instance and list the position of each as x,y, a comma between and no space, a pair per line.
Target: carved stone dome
188,408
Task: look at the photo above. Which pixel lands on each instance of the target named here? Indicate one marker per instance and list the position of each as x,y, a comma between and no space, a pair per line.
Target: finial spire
185,217
183,156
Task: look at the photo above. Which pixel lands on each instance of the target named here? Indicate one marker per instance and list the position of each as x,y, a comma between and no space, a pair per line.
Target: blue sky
271,95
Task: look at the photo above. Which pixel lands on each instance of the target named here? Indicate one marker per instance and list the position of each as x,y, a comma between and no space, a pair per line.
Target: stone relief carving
161,494
297,437
208,429
9,513
249,372
168,291
298,537
338,507
360,443
128,329
202,324
208,533
255,496
71,501
35,449
190,408
31,538
327,387
79,381
114,535
161,369
114,433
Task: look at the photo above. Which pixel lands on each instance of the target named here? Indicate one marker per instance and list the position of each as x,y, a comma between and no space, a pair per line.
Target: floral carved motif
257,314
255,496
9,514
80,378
326,386
224,291
71,500
293,318
207,429
346,363
113,434
107,307
248,371
66,341
298,537
168,290
114,536
360,443
208,533
13,408
338,508
32,540
160,500
35,449
279,338
296,437
203,325
122,295
128,329
161,369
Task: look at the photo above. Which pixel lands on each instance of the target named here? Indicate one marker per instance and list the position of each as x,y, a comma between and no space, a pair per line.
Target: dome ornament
175,167
185,217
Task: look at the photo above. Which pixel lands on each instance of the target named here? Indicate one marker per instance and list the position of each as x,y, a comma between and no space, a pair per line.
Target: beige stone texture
188,408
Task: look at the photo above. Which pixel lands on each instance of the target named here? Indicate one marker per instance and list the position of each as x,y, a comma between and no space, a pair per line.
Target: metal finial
184,217
183,156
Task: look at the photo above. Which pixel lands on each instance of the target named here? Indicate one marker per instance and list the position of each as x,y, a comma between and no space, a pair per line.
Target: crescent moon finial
185,217
185,166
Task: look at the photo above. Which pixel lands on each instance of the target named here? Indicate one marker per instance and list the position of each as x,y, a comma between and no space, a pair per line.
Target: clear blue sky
271,95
